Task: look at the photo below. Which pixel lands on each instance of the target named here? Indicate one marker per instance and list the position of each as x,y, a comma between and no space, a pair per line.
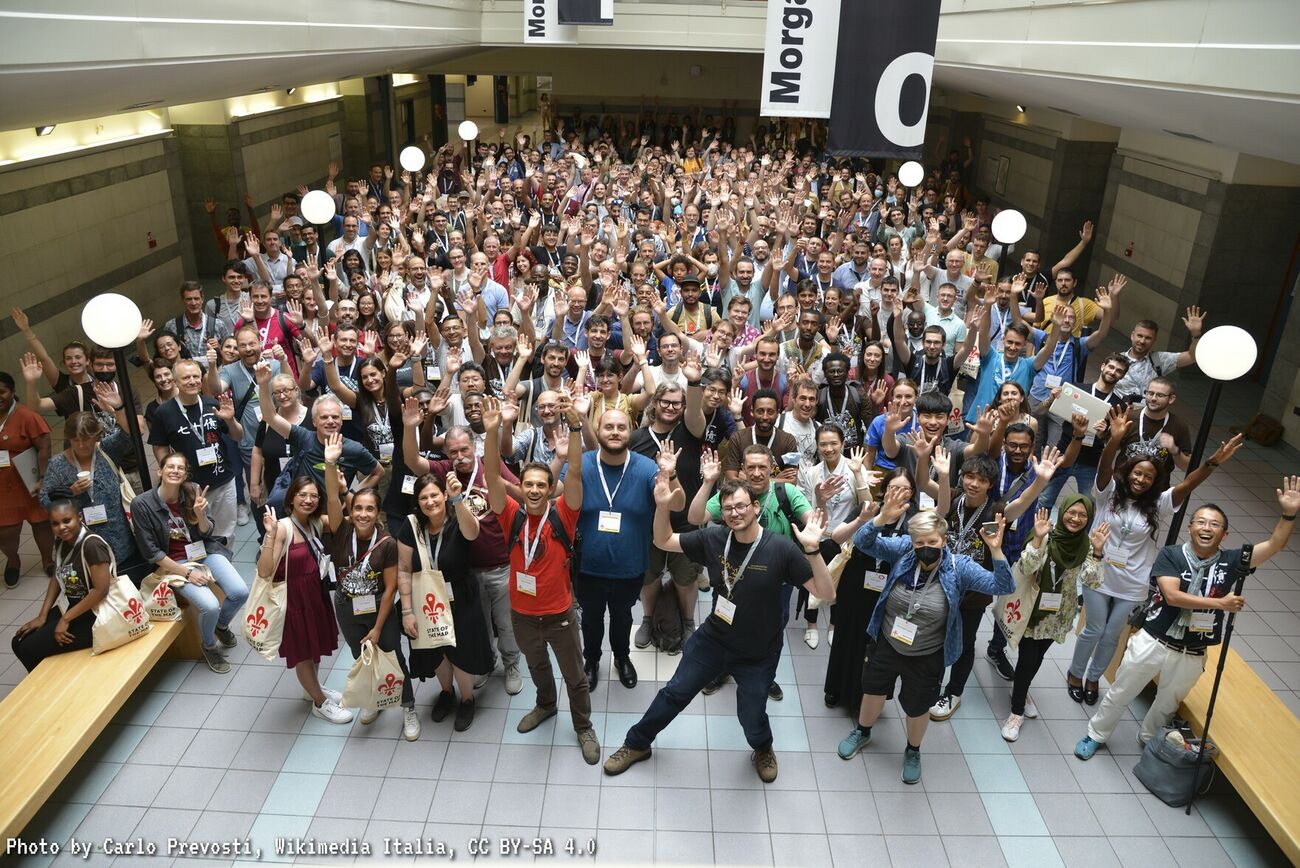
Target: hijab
1066,550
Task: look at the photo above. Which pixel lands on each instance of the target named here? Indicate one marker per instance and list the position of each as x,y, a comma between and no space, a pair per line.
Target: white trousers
1144,659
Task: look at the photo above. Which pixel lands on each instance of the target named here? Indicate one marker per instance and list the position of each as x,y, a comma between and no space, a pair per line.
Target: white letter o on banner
889,93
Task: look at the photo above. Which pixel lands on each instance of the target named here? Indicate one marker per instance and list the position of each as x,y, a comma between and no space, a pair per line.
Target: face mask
106,376
929,555
712,268
879,192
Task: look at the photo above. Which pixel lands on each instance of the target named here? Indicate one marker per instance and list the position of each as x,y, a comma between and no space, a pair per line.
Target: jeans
1104,620
211,615
1084,476
960,671
495,582
595,595
704,659
1032,652
559,633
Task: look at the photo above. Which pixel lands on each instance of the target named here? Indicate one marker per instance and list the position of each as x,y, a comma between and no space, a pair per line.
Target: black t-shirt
453,559
930,376
755,630
845,411
1219,581
188,431
907,456
363,574
276,451
689,448
70,571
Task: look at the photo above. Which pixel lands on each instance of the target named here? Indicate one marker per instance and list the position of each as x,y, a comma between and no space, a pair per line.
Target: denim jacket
957,573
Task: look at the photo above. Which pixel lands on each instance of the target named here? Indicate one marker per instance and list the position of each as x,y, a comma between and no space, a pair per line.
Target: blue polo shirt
625,554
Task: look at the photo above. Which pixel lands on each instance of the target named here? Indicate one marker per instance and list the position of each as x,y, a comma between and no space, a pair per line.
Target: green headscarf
1065,550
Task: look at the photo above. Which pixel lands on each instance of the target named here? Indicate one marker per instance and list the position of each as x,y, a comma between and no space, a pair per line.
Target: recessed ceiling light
290,91
1020,109
45,129
1192,136
139,105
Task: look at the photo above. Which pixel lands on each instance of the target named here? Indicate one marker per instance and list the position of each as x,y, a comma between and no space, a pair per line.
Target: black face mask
928,556
106,376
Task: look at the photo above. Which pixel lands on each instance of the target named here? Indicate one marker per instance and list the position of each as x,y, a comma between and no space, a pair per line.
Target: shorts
682,569
922,677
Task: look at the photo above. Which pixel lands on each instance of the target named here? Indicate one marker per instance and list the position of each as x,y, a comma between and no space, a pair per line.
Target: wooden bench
58,710
1257,737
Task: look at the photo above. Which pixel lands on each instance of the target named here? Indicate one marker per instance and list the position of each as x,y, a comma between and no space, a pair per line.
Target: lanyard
600,471
13,405
309,537
1142,417
917,589
740,571
659,444
59,560
965,526
1004,490
999,323
374,544
530,550
806,358
437,550
920,387
196,429
203,326
844,407
1058,355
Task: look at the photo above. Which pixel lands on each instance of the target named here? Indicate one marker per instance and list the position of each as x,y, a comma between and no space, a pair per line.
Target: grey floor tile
613,845
683,848
905,813
470,761
263,751
794,812
856,850
282,715
331,830
570,806
162,746
523,763
973,851
513,804
241,791
790,849
1142,852
346,795
734,848
235,712
221,826
682,768
683,810
1198,852
382,830
1092,851
916,850
365,756
136,785
795,771
418,759
959,814
1046,773
403,800
1067,814
626,808
102,821
833,773
462,802
189,787
187,710
213,748
1121,815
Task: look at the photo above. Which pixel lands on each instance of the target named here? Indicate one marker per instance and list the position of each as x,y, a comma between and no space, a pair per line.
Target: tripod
1218,676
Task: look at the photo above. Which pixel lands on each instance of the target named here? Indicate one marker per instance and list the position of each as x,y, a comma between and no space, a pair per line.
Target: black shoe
12,574
830,700
715,685
593,674
1090,693
774,692
226,637
464,715
1005,670
1075,690
443,705
626,672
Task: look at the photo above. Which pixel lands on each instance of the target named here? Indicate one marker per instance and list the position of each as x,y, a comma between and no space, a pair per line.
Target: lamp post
1223,354
113,321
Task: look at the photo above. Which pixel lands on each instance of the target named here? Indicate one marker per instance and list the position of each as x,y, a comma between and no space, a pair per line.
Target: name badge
611,522
1049,602
4,457
903,630
874,581
926,501
725,610
1053,381
284,462
408,484
386,452
257,411
526,584
431,372
346,413
95,514
363,605
1203,622
207,455
196,551
1089,439
451,593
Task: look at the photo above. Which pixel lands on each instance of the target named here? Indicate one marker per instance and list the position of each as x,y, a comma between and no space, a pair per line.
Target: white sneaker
514,683
331,711
330,694
369,716
1011,729
410,724
943,709
1031,710
810,637
244,516
480,682
830,637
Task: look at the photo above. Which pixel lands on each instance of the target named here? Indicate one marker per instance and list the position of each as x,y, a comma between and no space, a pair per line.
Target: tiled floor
206,758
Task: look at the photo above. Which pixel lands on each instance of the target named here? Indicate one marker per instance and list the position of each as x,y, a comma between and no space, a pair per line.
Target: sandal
1074,689
1090,693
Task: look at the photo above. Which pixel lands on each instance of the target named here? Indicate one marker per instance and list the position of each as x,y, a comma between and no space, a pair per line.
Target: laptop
1076,399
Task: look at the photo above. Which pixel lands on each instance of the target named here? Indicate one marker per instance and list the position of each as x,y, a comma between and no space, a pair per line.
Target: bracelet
457,499
1290,517
671,478
693,383
813,552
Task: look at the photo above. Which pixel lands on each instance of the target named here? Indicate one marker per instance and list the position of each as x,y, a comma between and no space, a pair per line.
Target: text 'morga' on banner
542,24
598,12
866,65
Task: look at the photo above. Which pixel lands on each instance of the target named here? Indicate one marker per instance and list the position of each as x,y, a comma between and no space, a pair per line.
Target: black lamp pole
132,420
1198,450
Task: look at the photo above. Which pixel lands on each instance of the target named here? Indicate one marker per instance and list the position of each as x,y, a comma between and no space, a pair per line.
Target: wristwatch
813,552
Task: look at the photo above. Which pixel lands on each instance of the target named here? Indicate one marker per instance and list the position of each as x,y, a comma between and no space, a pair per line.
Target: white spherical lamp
111,320
1009,226
911,174
411,158
468,131
317,206
1226,353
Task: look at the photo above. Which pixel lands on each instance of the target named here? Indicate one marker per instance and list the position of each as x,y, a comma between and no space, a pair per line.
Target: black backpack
666,623
571,547
784,505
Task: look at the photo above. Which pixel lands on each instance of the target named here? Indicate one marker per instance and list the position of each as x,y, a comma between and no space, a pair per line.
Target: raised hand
1098,538
828,488
710,466
455,488
1042,523
942,461
270,523
894,505
107,397
201,501
225,408
1119,422
491,413
1047,464
1228,449
736,403
667,458
333,448
810,535
1195,320
857,457
994,540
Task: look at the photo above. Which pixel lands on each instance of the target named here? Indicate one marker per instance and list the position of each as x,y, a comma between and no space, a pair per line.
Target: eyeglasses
279,392
1209,524
737,510
1150,394
665,403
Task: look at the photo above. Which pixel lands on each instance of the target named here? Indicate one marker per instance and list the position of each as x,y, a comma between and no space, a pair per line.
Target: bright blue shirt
993,373
622,555
875,438
957,573
1065,362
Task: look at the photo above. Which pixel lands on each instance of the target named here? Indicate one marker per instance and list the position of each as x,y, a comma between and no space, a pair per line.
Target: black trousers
40,643
355,627
960,671
1032,652
595,595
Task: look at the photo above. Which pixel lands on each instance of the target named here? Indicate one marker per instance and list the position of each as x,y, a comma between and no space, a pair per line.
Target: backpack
1264,430
666,623
571,547
783,504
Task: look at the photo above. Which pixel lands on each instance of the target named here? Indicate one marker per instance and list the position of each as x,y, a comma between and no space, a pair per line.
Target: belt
1192,652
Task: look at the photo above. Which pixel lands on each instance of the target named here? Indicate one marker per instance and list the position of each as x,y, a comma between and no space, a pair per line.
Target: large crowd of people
643,360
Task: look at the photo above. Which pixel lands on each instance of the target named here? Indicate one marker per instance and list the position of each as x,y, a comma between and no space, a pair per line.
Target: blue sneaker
911,766
1086,748
853,743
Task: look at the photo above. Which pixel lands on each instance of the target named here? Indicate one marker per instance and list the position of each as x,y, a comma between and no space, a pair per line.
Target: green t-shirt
772,518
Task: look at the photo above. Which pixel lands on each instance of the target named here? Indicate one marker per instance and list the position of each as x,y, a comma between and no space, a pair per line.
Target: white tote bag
122,616
160,597
267,603
431,597
375,680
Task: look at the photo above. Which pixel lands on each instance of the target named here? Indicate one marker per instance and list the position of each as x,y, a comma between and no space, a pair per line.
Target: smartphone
989,527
